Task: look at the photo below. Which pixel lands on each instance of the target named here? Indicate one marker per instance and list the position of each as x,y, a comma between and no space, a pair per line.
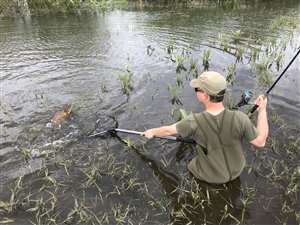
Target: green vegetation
126,79
126,83
206,59
180,58
182,114
174,92
262,71
104,87
283,21
170,47
22,7
231,74
194,68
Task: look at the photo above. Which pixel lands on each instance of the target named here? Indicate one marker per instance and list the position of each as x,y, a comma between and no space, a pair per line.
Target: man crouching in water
218,132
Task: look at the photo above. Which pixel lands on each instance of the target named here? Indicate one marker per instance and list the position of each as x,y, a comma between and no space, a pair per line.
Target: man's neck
214,108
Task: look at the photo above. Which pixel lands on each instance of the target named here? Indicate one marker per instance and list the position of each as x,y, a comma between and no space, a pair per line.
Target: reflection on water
50,61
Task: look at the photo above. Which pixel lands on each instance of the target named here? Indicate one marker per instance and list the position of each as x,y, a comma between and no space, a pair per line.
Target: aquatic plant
150,50
104,87
166,162
26,154
276,118
231,74
274,145
227,214
129,142
224,45
239,53
180,58
126,83
292,189
170,47
175,91
283,22
293,146
246,199
179,80
121,213
182,114
93,174
236,36
194,68
206,59
262,71
278,59
254,55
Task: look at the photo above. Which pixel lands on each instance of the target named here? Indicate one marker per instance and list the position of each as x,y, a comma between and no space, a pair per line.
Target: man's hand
262,102
148,133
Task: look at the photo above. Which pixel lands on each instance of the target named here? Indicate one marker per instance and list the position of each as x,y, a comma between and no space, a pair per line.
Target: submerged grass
126,80
262,71
206,59
175,90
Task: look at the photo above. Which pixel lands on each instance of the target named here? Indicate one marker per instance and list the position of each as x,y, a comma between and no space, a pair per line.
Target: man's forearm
161,131
262,124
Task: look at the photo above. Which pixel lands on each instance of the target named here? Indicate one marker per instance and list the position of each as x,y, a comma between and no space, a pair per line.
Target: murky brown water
50,61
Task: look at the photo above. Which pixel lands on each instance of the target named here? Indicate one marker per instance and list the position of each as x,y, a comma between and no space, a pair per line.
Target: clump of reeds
231,74
206,59
236,36
170,47
104,87
175,91
194,68
283,22
263,72
224,45
180,58
126,79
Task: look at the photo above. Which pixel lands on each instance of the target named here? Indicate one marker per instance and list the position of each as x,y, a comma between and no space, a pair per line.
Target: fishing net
38,138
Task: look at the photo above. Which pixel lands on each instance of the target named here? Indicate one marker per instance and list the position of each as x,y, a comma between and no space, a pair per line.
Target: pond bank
17,8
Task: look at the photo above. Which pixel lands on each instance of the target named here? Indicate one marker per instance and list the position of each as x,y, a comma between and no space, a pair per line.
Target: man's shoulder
193,116
239,114
239,117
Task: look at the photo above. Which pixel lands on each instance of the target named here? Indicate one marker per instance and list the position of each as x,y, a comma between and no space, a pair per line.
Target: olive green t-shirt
219,143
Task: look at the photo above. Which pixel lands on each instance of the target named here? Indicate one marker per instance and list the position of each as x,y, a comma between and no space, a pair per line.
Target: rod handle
178,139
250,113
187,140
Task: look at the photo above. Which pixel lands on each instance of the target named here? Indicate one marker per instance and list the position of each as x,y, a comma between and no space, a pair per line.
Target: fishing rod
172,138
269,90
248,94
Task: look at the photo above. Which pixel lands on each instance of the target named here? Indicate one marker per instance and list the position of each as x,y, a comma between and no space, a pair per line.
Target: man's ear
207,97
